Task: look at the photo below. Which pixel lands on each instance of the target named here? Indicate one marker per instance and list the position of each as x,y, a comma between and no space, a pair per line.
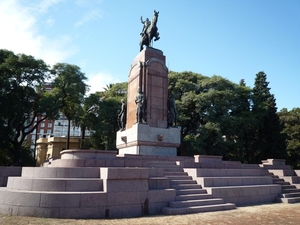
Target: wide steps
187,197
288,186
203,172
290,190
289,200
51,199
290,195
197,209
190,191
176,182
198,202
55,184
172,178
61,172
281,182
233,181
186,186
174,174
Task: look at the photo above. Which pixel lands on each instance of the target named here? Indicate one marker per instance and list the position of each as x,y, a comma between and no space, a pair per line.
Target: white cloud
98,81
44,5
88,16
19,23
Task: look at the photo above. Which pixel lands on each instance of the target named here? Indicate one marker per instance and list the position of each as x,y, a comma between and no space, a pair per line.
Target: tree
86,116
24,102
268,141
208,113
105,125
291,121
70,89
243,122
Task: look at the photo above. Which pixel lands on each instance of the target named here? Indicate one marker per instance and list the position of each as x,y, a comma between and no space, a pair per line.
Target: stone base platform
101,184
141,139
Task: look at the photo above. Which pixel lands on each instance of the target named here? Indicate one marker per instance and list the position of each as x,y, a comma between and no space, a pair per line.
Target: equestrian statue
149,31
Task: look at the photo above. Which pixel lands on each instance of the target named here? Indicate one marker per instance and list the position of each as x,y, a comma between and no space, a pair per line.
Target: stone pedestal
149,74
141,139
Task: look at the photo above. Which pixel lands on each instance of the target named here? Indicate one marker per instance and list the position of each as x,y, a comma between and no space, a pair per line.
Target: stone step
292,179
204,172
282,172
233,181
290,195
55,184
276,179
170,174
197,209
251,166
276,167
61,172
289,200
162,163
175,182
171,178
186,186
190,191
288,186
198,202
192,197
172,169
50,199
291,190
281,182
163,166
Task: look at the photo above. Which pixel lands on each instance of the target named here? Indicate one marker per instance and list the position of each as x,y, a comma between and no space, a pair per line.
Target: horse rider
146,25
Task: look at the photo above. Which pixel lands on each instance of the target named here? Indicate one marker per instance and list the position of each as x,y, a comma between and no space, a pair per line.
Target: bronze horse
150,32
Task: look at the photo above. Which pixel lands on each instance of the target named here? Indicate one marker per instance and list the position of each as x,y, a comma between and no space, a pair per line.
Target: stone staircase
241,186
190,196
287,178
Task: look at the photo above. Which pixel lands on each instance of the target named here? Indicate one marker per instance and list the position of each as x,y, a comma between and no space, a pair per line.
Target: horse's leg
156,36
142,42
149,40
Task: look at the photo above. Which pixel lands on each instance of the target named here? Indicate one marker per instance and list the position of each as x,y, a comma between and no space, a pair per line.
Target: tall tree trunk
68,134
82,136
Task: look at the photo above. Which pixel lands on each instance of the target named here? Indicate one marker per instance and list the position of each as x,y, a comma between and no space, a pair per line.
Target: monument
91,184
148,127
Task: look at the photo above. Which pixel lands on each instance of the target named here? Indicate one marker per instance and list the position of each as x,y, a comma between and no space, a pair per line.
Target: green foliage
211,113
291,121
216,117
268,141
103,120
22,99
69,88
26,157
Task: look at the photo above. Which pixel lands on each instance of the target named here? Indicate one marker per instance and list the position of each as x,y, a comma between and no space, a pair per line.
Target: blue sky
232,38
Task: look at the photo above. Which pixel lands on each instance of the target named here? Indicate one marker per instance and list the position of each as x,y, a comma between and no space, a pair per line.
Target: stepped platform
241,187
286,177
106,185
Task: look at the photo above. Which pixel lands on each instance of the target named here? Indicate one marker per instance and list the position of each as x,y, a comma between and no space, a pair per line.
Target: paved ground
275,214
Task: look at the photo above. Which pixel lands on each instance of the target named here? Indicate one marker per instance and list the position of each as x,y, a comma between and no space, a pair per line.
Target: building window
42,125
41,131
49,124
49,131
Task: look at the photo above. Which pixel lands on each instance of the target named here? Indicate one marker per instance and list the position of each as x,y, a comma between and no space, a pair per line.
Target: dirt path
275,214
